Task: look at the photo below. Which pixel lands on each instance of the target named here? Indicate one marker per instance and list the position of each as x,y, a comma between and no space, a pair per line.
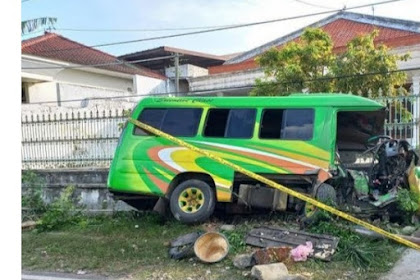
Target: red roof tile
54,46
341,32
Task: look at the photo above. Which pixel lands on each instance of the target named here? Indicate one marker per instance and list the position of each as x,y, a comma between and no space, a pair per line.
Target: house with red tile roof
191,63
56,69
237,75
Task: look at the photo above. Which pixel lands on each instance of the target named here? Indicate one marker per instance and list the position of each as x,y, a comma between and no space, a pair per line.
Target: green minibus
330,146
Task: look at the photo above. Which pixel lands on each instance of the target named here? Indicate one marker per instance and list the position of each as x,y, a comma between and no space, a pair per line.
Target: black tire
325,193
206,209
182,246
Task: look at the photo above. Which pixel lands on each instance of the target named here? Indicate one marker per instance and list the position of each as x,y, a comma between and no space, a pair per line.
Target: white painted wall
84,83
414,52
187,71
225,80
84,78
146,85
41,92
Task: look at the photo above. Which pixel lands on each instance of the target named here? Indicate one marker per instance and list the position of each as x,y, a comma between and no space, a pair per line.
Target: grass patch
133,245
361,252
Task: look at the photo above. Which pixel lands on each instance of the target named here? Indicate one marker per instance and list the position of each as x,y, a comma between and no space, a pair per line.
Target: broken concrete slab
272,271
271,255
266,236
243,261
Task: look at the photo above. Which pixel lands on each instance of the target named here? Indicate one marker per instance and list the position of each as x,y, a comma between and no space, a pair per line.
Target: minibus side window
152,117
175,121
230,123
287,124
297,124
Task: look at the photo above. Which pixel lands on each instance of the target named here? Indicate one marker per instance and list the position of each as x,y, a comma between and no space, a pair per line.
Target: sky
161,14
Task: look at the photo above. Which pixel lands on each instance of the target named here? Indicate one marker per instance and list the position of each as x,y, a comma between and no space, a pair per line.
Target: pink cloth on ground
301,252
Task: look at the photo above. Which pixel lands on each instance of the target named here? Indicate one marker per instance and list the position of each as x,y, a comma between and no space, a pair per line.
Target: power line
203,92
141,29
100,64
221,28
312,5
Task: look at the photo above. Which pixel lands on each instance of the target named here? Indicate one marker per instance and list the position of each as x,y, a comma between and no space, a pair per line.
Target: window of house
230,123
24,93
174,121
287,124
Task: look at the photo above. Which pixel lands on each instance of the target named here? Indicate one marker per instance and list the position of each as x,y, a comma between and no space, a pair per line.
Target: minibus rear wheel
326,194
192,201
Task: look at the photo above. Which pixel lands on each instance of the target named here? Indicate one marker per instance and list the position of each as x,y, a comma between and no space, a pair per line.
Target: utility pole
177,72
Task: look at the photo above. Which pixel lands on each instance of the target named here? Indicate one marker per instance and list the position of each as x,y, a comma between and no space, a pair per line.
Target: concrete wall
146,85
187,71
84,78
82,83
42,92
225,80
91,191
413,62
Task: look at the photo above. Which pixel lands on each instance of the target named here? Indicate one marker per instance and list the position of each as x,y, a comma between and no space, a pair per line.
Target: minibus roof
293,100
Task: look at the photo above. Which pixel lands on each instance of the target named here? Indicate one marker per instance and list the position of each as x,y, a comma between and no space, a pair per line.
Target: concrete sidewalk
30,275
407,268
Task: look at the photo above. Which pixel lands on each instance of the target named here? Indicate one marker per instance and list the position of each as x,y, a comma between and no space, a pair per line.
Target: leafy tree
31,25
362,57
310,65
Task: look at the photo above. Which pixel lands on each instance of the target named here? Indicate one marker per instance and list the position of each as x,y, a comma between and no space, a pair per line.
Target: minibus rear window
230,123
174,121
287,124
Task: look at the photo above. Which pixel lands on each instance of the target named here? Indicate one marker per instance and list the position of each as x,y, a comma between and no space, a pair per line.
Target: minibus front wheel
192,201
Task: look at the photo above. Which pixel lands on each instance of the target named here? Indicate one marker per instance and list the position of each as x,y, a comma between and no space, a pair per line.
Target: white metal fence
88,137
76,138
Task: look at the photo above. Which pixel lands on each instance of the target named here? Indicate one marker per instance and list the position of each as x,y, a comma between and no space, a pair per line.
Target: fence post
416,111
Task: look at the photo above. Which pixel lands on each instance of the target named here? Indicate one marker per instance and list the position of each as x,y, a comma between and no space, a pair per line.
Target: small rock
227,267
208,272
227,227
136,226
167,244
81,272
243,261
417,233
246,273
269,271
408,230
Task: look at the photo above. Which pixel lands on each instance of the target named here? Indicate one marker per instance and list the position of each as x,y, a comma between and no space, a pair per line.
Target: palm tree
31,25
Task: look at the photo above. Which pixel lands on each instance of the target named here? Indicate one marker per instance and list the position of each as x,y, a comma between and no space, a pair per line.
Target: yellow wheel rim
191,200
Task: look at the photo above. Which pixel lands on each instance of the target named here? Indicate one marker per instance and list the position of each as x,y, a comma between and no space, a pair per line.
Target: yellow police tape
276,185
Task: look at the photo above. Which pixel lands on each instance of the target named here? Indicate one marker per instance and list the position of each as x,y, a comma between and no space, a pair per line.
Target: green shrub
62,212
32,203
407,201
359,251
